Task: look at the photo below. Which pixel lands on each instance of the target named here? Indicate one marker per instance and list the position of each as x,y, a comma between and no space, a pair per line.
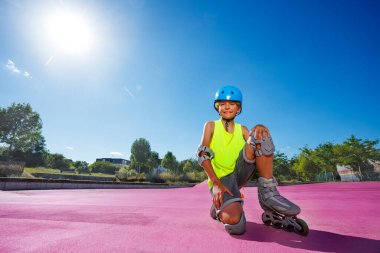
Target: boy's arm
219,188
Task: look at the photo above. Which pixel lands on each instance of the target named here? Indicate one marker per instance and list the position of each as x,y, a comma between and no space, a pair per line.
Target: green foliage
154,160
196,176
141,156
356,152
55,171
281,165
190,165
11,169
170,163
81,167
20,131
125,173
57,161
305,168
41,170
156,178
20,127
325,157
103,167
167,176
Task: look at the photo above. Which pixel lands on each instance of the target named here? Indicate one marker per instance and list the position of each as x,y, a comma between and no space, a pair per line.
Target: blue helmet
230,93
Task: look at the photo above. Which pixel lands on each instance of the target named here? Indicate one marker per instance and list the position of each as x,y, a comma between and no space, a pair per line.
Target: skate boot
279,211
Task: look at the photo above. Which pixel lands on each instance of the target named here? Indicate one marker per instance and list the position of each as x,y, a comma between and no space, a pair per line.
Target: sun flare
69,32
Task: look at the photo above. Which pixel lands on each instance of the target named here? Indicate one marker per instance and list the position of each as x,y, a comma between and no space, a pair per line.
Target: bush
196,176
167,176
126,173
11,169
103,167
156,178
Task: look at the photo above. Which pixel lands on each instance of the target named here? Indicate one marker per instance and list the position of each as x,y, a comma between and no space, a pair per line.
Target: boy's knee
231,213
236,228
231,218
263,147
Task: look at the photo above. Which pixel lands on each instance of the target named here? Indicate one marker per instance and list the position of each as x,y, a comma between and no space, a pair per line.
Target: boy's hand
261,133
218,191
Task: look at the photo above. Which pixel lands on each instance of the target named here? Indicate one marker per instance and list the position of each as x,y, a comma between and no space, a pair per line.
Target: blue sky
308,70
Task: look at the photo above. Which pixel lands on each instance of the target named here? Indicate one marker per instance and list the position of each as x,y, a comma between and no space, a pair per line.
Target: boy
229,154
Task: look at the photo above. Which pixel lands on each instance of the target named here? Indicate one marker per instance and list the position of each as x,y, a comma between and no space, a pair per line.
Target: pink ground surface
343,217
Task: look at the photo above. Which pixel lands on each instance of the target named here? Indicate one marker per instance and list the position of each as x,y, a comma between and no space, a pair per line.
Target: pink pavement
343,217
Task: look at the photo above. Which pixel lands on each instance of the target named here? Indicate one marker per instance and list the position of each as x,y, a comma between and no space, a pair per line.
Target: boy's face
228,109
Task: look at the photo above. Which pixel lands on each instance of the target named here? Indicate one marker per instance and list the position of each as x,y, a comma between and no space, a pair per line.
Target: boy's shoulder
209,127
210,123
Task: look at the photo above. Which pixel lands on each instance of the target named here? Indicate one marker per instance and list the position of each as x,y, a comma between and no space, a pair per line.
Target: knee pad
238,228
263,146
214,213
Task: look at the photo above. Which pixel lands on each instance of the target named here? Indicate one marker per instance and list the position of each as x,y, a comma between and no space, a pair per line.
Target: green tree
81,167
190,165
304,166
281,166
356,152
192,169
57,161
170,163
140,155
154,161
20,127
20,131
325,157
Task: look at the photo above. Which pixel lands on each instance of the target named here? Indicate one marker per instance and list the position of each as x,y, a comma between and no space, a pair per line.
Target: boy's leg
231,213
269,197
244,168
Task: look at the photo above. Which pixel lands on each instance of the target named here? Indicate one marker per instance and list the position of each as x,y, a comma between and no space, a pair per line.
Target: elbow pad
207,156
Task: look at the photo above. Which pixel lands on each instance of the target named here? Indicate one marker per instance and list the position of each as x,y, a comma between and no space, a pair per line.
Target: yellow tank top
226,147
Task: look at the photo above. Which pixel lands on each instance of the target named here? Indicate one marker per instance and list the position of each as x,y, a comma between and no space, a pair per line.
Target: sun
69,32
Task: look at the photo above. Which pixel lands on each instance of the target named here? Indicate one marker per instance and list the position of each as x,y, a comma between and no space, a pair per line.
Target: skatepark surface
342,217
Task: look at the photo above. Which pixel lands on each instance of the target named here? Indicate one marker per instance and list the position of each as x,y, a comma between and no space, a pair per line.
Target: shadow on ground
316,240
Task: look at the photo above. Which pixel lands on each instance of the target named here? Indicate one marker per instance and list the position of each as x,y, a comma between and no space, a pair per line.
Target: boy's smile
228,109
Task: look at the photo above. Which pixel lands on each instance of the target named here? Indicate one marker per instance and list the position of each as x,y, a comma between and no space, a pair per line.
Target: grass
164,177
54,171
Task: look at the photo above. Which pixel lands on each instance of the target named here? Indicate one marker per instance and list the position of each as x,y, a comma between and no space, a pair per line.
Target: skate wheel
265,220
277,225
304,227
289,228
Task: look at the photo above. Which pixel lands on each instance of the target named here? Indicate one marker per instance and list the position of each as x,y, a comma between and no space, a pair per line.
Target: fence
333,176
325,177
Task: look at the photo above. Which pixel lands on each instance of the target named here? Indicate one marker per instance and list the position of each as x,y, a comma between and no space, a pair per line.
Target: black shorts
241,175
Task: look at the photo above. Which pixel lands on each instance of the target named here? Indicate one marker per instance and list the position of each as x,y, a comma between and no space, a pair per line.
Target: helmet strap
226,122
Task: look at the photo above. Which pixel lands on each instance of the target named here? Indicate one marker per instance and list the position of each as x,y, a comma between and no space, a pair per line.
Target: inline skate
279,211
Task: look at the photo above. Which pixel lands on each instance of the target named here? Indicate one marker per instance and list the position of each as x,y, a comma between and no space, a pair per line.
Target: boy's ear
239,111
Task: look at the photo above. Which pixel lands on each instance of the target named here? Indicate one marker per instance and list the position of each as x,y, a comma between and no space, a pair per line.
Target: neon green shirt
226,147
